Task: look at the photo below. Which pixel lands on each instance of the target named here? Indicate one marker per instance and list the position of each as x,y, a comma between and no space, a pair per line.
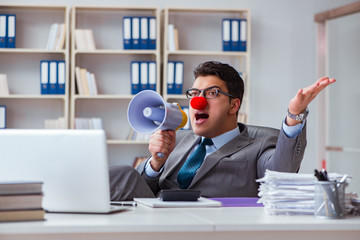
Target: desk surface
178,223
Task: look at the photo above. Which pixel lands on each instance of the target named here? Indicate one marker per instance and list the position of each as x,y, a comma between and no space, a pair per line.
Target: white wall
283,52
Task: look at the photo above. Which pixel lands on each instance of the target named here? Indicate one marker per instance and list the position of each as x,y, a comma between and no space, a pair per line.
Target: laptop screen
72,164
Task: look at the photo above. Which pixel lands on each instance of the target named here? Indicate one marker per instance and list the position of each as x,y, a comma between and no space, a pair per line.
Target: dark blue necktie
188,170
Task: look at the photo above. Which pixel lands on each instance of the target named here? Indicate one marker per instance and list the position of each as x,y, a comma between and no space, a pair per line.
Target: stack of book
84,39
56,38
2,116
21,201
4,89
85,82
136,136
59,123
173,38
88,123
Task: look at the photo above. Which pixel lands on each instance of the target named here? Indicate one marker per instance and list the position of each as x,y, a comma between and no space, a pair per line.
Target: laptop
72,164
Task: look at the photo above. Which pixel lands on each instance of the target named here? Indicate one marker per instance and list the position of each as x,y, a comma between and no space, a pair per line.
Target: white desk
183,224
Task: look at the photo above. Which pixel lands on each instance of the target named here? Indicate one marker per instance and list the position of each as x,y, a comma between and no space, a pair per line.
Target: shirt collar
224,138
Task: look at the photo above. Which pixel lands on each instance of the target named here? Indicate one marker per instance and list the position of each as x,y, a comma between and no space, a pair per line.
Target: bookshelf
26,107
110,63
200,40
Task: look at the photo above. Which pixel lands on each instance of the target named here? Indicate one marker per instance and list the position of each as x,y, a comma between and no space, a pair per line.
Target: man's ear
235,105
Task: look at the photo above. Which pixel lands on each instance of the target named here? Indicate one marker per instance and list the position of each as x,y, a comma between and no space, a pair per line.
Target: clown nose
198,103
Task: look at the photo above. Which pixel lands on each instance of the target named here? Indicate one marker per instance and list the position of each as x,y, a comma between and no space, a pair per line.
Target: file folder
243,35
152,75
11,31
44,77
234,46
170,77
135,69
179,77
61,73
144,35
144,78
135,28
152,33
52,77
3,31
127,32
226,34
2,116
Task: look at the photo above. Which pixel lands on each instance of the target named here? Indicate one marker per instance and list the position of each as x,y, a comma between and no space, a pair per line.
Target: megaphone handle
160,155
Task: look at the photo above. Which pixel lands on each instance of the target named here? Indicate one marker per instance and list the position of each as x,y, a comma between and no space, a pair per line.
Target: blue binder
135,32
135,77
3,30
127,32
226,34
170,77
44,77
179,77
152,33
152,75
11,30
52,77
144,76
234,42
243,35
144,34
61,77
2,116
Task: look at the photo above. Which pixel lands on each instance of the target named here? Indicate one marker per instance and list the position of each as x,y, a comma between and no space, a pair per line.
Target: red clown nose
198,103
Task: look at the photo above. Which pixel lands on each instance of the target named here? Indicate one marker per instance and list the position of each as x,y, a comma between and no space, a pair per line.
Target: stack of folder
234,34
139,32
175,77
52,77
7,30
143,76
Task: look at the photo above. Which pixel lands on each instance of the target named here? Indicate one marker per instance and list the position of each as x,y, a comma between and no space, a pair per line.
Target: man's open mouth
201,116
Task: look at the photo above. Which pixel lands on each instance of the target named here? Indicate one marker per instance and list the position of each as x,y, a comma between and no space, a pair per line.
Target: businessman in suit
233,160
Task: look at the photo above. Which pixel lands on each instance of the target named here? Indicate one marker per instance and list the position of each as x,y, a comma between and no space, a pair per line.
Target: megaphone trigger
161,155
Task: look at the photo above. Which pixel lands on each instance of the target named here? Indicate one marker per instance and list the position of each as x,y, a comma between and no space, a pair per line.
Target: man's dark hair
225,72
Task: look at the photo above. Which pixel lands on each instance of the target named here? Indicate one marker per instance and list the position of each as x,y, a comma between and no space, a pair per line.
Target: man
233,160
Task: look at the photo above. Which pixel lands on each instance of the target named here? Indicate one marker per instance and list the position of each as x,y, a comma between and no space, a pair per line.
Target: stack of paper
288,193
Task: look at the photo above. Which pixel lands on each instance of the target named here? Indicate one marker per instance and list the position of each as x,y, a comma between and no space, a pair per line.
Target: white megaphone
148,112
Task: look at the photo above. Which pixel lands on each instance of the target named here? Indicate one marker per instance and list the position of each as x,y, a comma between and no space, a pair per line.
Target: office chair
260,131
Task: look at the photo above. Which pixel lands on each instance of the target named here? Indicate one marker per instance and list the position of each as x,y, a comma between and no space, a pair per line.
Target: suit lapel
228,149
180,153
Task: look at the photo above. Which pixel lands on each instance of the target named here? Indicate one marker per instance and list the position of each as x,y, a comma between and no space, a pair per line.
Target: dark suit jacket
231,171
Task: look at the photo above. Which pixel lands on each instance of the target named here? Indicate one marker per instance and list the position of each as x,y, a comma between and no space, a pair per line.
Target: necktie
188,170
